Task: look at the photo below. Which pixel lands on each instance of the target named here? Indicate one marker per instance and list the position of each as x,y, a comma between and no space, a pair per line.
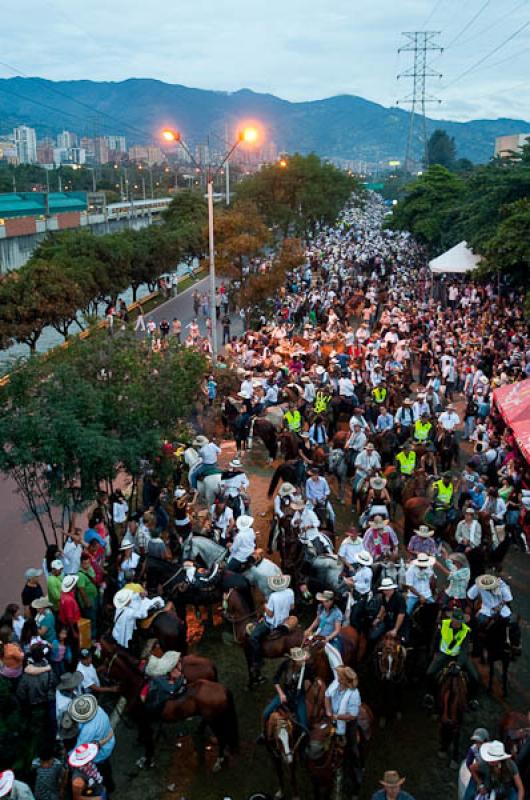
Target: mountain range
342,127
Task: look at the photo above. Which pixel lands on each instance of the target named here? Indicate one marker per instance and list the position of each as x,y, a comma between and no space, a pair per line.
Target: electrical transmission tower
420,43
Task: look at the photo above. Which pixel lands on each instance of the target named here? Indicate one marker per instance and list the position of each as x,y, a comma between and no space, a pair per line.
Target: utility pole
419,43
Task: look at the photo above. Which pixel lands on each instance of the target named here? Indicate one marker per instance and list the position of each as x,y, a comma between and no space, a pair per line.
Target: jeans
198,473
412,601
261,630
469,427
298,707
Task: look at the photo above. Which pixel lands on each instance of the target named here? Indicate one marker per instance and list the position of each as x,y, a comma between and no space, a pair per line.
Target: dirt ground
409,746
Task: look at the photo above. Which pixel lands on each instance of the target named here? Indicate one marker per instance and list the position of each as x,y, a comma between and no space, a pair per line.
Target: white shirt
362,580
346,387
472,533
90,676
209,453
349,549
366,461
247,388
125,619
280,603
119,511
491,600
72,557
419,579
343,701
243,545
309,392
449,420
223,521
233,486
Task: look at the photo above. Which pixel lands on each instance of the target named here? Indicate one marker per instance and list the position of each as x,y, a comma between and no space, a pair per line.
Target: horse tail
277,474
226,726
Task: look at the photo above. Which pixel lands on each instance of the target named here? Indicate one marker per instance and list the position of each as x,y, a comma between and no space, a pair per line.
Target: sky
296,49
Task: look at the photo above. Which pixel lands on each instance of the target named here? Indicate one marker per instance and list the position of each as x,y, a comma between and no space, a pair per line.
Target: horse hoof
217,767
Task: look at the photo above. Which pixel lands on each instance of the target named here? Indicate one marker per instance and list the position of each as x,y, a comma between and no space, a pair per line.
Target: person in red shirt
96,553
69,614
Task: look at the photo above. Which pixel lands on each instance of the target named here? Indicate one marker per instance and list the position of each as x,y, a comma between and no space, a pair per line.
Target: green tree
508,251
441,149
240,235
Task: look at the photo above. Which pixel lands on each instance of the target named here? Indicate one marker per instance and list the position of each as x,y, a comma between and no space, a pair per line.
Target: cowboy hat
487,582
68,583
57,564
83,708
286,488
122,598
319,370
423,560
236,463
392,778
277,583
41,602
298,654
424,532
68,729
480,735
244,522
386,584
377,483
348,675
493,751
469,510
32,573
327,594
364,558
297,504
126,544
158,667
199,441
7,779
70,680
179,492
458,615
83,754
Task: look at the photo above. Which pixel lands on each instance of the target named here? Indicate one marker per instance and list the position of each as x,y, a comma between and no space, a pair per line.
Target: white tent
459,258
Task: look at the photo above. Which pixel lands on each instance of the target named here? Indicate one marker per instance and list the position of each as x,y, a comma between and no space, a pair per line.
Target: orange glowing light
170,136
248,135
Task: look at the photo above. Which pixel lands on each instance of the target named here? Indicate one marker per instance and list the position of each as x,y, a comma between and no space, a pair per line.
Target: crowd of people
378,387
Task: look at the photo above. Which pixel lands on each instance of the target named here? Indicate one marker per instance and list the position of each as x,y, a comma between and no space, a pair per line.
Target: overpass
23,229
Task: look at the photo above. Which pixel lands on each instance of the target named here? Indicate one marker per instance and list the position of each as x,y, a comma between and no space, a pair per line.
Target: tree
240,235
508,251
261,289
441,149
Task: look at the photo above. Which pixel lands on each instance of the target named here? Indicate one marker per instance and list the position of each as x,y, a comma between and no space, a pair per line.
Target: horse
194,667
201,547
283,738
514,732
326,658
500,641
390,662
452,701
240,615
422,630
208,486
289,445
322,571
167,628
447,449
386,444
210,701
290,548
289,472
338,466
417,511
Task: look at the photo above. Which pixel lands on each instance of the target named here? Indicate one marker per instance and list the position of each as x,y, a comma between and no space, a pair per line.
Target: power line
433,12
494,24
468,24
488,55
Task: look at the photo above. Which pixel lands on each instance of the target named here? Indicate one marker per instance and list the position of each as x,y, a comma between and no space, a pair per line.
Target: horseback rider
328,621
166,681
317,491
360,581
366,463
380,539
131,606
293,678
208,452
292,418
392,613
243,545
453,646
406,459
443,495
419,581
379,393
423,428
276,610
495,596
404,416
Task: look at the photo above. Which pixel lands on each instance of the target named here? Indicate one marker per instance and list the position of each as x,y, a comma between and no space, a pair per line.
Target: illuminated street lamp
282,163
248,135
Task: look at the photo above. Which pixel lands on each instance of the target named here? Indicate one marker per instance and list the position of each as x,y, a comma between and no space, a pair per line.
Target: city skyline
337,50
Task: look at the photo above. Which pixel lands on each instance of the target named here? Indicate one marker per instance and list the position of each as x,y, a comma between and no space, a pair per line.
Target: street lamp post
248,135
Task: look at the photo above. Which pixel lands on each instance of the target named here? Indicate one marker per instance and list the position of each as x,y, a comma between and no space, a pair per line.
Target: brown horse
283,737
237,612
390,658
194,667
210,701
353,649
452,700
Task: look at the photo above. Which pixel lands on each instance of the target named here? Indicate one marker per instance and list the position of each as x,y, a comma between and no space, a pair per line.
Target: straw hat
244,522
348,676
377,522
488,582
387,584
7,779
286,488
69,583
236,463
83,708
158,667
423,561
126,545
424,532
122,598
493,751
199,441
298,654
364,558
277,583
41,602
327,594
377,483
392,778
83,754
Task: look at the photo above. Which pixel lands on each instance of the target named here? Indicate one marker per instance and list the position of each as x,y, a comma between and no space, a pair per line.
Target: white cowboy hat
298,654
32,573
83,708
424,532
244,522
179,492
41,602
423,560
386,583
57,564
493,751
122,598
236,463
200,441
469,510
286,488
83,754
364,558
488,582
7,779
158,667
327,594
377,483
68,583
126,545
277,583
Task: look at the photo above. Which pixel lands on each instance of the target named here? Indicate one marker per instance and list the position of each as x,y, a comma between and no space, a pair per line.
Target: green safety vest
294,420
422,430
379,394
321,403
445,493
451,640
407,463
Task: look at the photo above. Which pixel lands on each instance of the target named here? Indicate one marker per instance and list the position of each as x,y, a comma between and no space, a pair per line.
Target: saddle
210,470
290,625
145,624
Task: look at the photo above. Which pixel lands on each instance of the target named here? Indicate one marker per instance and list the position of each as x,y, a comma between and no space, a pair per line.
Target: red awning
513,402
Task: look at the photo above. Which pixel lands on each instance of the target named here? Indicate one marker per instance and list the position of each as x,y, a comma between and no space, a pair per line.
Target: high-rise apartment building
118,143
26,144
67,139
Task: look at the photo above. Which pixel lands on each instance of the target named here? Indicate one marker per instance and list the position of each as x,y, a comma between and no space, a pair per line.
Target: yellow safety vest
445,493
294,420
379,394
421,430
407,463
451,639
321,403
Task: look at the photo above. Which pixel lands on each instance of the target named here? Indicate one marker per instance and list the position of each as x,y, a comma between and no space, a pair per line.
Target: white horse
209,486
209,551
259,574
